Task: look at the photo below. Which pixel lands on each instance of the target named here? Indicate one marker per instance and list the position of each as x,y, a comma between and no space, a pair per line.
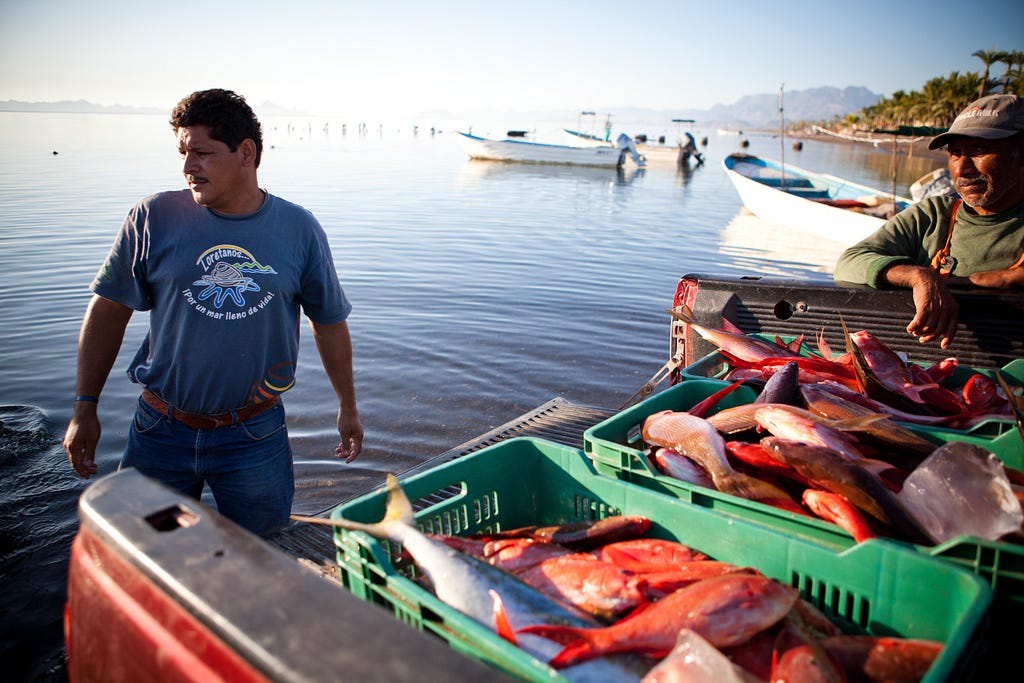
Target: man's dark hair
229,117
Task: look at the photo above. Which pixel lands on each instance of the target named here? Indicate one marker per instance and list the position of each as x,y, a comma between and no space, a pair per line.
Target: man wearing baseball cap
975,239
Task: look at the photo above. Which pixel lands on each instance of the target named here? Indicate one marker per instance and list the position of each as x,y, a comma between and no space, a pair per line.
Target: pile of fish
823,438
602,602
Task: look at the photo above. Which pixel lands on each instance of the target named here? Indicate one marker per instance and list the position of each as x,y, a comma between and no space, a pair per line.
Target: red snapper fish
827,470
836,509
695,438
725,610
886,377
595,586
788,424
734,344
648,554
682,468
825,403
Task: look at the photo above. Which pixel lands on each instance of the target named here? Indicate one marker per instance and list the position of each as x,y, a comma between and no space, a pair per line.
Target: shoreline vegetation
939,101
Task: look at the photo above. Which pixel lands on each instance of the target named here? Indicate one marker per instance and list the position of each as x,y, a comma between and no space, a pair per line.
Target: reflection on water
778,250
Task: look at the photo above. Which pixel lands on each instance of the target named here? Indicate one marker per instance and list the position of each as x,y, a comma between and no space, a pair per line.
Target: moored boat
816,203
938,182
540,153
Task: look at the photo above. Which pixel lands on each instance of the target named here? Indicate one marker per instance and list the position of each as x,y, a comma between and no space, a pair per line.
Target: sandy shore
919,148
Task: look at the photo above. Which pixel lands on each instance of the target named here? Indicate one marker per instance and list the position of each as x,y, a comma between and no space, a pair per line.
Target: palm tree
1014,60
989,57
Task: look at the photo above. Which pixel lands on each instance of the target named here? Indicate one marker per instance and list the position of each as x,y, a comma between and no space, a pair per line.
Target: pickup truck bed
162,588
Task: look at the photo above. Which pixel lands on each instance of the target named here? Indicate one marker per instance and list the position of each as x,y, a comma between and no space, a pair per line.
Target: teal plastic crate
876,587
617,452
1000,436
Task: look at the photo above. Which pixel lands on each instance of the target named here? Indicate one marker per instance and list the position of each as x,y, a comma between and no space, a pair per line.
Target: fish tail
579,643
683,314
398,509
573,654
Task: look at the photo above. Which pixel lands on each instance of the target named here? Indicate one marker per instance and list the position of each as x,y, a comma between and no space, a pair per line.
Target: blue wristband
90,399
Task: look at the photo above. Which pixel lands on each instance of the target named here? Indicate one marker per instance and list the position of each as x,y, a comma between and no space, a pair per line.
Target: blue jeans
248,465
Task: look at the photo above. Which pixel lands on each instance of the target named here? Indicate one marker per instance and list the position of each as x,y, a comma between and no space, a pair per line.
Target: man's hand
936,309
1008,278
351,430
99,341
81,438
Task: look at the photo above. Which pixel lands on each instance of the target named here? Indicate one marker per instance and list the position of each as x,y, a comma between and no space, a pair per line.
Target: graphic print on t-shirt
225,282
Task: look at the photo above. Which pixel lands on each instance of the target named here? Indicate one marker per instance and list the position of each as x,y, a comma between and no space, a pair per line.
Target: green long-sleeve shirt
980,243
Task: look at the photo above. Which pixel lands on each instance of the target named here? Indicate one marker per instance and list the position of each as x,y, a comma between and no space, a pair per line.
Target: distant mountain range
749,112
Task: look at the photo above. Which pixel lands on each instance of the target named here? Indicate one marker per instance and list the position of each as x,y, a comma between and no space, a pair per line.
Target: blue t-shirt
224,294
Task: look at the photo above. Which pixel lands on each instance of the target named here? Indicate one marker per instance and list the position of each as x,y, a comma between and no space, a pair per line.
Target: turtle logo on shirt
226,281
227,270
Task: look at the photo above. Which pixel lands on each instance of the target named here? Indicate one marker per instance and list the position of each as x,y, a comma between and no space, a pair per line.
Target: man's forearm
99,342
334,345
908,276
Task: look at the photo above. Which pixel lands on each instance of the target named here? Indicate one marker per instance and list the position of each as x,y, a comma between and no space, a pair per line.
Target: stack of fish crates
616,448
877,588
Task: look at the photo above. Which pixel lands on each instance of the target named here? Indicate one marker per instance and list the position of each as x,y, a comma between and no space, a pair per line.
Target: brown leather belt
196,421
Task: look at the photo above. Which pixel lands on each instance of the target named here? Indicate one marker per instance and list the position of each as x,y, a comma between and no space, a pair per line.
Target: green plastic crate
616,449
1000,436
876,587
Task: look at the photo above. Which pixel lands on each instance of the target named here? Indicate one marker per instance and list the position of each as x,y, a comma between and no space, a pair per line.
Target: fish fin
823,348
578,646
861,422
793,346
701,408
564,635
501,622
728,326
398,508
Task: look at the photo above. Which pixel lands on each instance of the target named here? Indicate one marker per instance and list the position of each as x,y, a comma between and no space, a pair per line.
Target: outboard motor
688,148
625,142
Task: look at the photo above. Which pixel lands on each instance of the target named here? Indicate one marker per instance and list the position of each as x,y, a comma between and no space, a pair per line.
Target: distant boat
539,153
938,182
814,203
585,139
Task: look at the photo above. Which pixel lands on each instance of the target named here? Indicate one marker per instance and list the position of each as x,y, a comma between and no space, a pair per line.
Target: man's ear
248,149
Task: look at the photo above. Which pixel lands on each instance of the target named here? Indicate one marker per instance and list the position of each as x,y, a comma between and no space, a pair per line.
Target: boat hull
814,203
537,153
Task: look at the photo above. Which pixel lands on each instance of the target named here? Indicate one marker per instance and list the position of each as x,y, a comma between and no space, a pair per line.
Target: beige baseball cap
992,117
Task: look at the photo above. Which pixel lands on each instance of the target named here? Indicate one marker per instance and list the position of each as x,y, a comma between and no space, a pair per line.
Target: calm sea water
481,290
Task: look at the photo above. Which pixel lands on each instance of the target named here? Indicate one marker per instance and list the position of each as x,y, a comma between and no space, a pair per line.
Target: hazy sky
402,57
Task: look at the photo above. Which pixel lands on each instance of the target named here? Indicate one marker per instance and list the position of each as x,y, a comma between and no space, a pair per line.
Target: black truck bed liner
991,332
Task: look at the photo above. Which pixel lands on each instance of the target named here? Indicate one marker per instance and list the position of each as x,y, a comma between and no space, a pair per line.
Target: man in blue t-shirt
224,269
